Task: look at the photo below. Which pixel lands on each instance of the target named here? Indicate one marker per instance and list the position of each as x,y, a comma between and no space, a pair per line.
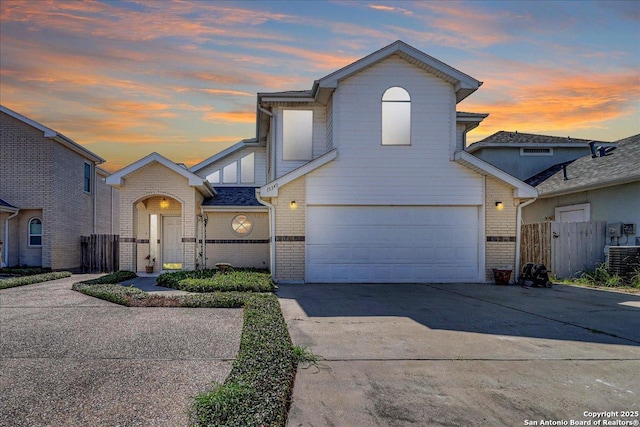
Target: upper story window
214,177
87,177
247,169
230,173
297,135
396,117
35,232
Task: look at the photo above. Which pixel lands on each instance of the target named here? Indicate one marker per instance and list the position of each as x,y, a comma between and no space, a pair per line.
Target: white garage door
392,244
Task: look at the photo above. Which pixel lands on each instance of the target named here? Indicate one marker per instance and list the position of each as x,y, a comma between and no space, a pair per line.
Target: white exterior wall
365,172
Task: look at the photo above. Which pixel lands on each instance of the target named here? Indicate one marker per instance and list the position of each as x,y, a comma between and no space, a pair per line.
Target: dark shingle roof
618,166
504,137
7,205
233,196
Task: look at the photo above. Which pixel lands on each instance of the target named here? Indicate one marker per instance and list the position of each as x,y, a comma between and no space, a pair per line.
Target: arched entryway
159,231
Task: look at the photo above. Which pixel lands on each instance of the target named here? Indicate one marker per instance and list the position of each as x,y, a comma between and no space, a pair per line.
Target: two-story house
362,178
52,192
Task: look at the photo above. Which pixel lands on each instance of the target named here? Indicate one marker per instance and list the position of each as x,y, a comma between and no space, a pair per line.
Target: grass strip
257,391
30,280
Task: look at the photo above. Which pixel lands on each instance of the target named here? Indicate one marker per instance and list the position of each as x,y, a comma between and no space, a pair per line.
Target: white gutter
518,232
272,232
6,238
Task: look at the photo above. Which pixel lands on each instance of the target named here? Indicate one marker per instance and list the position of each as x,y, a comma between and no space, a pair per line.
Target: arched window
35,232
396,117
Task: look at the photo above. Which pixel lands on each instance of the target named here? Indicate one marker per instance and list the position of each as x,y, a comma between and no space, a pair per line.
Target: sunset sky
180,77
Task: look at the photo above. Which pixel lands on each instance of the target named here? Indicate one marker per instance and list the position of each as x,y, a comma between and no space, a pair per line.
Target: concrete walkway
67,359
461,354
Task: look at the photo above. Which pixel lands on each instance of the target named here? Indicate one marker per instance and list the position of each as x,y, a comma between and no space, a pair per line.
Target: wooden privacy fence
100,253
566,248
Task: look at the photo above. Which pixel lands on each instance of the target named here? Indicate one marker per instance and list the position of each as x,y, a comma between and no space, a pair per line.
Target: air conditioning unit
624,260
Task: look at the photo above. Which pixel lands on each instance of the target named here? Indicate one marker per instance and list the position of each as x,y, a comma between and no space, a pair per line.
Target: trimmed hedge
24,271
208,281
29,280
258,389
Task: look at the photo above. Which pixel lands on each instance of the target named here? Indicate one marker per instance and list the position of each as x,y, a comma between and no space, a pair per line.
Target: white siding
319,138
365,172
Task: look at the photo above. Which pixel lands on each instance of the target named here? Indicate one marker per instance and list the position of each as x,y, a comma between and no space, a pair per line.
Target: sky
180,77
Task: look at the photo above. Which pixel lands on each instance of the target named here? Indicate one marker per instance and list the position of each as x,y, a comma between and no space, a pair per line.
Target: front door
171,243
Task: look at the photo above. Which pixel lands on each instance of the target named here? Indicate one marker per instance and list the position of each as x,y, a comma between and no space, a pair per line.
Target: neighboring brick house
362,178
51,193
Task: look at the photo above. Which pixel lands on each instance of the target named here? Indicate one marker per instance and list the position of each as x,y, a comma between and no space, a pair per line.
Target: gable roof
521,190
517,139
116,179
464,84
224,153
56,136
620,166
234,197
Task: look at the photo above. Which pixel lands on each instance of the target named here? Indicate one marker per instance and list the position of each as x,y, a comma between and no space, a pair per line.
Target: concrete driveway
67,359
462,354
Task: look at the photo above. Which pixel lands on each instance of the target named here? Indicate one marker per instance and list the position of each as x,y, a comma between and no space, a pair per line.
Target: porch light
293,204
164,203
499,206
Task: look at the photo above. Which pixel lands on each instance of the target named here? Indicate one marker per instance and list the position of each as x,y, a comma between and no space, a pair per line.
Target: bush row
258,389
24,271
208,281
29,280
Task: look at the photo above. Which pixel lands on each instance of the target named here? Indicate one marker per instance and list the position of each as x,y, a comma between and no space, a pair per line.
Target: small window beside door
35,232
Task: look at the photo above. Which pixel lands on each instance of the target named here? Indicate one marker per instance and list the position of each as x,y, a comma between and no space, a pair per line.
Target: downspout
272,232
5,251
95,196
518,232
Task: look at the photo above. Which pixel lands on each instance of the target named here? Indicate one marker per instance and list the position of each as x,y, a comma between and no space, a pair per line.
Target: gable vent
527,151
624,260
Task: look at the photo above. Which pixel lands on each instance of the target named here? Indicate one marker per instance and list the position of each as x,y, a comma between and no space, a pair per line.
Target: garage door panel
382,244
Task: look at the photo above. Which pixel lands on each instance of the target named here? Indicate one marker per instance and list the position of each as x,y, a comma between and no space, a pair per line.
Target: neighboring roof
521,190
620,166
116,179
224,153
234,197
517,139
52,134
6,207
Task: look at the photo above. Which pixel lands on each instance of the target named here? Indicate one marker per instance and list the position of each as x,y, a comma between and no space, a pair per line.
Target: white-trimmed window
35,232
241,224
396,117
214,177
534,151
230,173
297,135
87,177
247,169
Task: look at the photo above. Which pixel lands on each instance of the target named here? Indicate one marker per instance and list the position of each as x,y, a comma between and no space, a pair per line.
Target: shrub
264,368
25,271
601,276
243,280
29,280
117,277
110,292
171,280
